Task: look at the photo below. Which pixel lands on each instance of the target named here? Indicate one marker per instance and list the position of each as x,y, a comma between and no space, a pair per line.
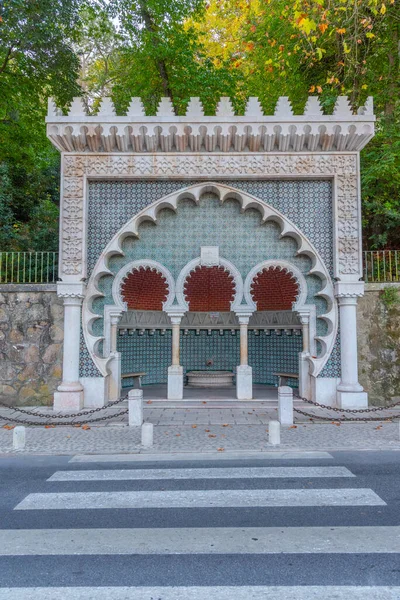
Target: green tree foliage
36,60
183,48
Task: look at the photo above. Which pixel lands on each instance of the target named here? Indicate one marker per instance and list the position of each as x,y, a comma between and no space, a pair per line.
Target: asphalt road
241,529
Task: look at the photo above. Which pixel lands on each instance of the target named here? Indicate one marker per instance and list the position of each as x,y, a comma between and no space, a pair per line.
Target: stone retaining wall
379,342
31,335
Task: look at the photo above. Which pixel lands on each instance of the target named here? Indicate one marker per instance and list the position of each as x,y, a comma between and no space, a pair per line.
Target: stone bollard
285,405
147,435
274,433
19,437
135,403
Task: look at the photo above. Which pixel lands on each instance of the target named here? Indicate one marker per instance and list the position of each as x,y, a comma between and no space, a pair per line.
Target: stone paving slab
202,439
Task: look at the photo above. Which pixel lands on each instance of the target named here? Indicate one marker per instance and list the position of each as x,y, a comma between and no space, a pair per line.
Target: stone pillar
114,385
304,372
350,394
69,395
244,373
175,371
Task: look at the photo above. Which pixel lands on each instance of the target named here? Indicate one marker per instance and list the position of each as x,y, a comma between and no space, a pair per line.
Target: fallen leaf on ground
178,435
49,426
194,426
207,430
85,427
225,425
204,402
76,425
8,426
221,449
379,427
149,402
293,427
212,435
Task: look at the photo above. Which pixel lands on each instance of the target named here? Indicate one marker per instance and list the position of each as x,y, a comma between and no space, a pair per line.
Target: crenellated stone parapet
135,132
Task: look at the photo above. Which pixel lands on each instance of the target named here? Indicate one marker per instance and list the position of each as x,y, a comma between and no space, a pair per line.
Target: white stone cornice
225,132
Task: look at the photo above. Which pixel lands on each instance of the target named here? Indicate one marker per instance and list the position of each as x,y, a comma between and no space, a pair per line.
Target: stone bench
283,377
137,379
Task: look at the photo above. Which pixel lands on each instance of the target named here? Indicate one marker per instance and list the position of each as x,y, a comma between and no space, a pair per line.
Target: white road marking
201,499
201,540
204,456
216,473
204,593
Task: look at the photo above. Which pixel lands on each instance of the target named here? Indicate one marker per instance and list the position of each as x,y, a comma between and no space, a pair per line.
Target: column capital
175,315
71,290
344,289
243,314
115,316
304,316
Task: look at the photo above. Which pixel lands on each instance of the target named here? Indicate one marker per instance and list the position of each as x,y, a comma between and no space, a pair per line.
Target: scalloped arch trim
223,192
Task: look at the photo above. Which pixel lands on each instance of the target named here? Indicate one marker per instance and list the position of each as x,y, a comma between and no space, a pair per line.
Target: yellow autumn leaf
383,9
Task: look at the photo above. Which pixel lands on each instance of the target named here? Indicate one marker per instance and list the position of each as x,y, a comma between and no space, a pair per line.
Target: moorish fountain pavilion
210,244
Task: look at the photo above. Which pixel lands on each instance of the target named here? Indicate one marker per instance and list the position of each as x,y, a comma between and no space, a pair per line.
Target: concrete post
135,404
274,433
19,437
147,435
285,405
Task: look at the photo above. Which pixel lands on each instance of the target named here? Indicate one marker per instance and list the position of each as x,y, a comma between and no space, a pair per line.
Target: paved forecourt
304,526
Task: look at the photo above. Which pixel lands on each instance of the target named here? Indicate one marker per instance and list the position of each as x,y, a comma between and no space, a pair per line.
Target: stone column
114,380
304,374
69,395
244,373
350,394
175,371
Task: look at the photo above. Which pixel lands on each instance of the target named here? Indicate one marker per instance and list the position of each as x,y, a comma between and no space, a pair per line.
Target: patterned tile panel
177,238
152,354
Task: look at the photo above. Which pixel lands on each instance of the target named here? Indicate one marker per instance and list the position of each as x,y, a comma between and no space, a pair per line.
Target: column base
352,399
175,383
244,382
68,401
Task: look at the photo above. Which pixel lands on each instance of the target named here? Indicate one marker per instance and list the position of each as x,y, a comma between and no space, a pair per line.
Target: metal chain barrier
345,410
49,417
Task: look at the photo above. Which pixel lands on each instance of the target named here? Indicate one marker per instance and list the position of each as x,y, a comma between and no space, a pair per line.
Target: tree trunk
151,27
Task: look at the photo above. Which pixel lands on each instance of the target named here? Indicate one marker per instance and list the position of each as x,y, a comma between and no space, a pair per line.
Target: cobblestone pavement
191,428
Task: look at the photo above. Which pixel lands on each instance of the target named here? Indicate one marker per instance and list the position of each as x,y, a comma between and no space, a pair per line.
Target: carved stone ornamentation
342,168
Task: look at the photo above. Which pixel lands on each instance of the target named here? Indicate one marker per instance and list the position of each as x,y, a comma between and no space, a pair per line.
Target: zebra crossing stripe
201,499
204,593
201,540
203,456
214,473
